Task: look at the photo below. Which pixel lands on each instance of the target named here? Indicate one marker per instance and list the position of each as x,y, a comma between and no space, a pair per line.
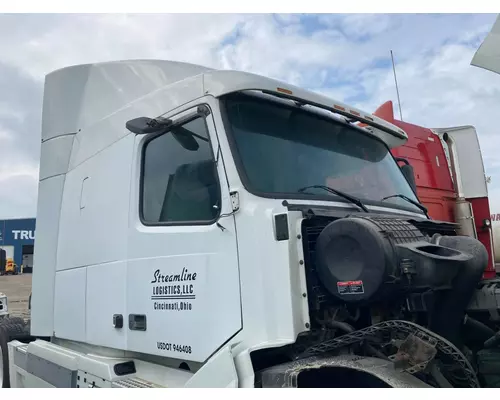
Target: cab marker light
286,91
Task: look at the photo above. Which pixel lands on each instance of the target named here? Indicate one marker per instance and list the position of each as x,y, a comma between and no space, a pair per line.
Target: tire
12,320
14,330
4,358
8,332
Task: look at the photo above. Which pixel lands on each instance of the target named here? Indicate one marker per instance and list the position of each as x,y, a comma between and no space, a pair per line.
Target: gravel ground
18,289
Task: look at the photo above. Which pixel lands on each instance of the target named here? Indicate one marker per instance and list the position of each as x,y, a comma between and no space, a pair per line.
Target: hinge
235,201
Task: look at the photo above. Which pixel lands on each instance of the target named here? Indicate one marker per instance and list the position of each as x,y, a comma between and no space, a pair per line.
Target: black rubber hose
344,326
492,341
480,332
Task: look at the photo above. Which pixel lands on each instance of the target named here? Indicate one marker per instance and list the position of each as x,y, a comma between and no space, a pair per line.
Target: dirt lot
17,288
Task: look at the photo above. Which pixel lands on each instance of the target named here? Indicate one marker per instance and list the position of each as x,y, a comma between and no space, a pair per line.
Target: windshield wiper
415,203
352,199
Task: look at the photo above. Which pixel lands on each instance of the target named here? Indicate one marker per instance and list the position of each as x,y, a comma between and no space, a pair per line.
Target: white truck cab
178,213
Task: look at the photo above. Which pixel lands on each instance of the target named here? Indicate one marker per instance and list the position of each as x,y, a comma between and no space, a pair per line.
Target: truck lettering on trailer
177,297
23,235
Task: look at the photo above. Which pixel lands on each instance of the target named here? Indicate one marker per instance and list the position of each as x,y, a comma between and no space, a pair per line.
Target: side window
179,177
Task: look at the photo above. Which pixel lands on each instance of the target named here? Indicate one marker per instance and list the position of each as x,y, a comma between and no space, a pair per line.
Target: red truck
449,176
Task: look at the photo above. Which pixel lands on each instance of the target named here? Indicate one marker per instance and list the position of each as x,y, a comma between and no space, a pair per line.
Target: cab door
183,296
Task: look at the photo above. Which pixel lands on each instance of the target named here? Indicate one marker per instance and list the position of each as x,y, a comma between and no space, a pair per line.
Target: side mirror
408,173
185,138
144,125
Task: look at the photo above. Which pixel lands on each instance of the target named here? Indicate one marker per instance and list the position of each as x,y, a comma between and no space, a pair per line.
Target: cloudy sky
345,56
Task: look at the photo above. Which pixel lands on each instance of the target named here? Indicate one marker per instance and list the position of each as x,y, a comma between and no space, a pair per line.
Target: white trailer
186,238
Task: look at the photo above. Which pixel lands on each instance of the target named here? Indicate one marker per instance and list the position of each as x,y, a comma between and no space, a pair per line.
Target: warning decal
350,287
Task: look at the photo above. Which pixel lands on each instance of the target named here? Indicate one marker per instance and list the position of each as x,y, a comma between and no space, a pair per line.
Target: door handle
137,322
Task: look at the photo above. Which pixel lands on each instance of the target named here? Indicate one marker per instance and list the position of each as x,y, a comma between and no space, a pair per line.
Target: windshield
283,148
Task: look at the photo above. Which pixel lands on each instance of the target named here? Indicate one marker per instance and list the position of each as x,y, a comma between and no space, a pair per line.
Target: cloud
75,39
440,90
345,56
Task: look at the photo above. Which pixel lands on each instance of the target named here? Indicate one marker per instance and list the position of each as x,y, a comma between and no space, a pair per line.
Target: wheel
4,359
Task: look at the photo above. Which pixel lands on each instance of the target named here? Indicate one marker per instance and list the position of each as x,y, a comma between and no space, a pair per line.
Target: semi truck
450,178
214,228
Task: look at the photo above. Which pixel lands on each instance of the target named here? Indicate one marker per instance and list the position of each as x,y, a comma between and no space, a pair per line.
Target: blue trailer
17,238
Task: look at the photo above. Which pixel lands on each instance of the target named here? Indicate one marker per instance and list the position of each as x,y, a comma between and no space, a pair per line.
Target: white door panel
182,314
182,278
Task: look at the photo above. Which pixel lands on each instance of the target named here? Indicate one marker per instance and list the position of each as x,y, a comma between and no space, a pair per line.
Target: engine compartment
401,290
377,262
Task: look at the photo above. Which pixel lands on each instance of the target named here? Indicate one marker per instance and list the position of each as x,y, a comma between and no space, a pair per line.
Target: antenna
397,89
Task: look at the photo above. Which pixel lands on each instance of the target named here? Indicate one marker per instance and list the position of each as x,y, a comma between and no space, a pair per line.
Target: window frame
180,121
299,196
